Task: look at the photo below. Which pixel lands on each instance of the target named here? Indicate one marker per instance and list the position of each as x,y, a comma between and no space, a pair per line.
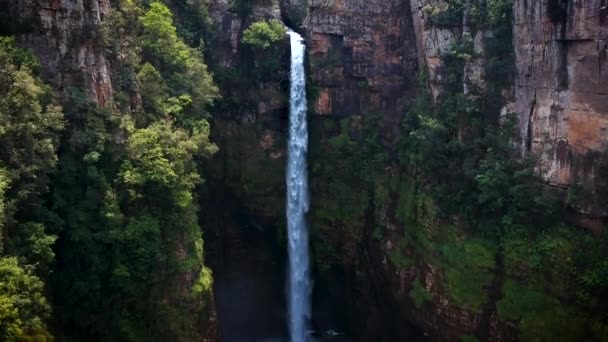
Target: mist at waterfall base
299,284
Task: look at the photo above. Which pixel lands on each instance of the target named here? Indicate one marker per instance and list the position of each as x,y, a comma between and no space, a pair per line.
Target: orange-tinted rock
562,85
323,105
362,56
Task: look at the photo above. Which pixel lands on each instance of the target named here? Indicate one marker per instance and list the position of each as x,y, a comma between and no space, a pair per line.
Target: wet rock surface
562,88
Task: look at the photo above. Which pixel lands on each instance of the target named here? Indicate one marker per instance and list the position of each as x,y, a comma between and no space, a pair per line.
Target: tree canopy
262,34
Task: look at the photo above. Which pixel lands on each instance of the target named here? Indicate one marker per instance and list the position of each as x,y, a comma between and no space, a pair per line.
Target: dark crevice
294,13
377,318
557,10
530,127
494,292
604,13
603,53
562,71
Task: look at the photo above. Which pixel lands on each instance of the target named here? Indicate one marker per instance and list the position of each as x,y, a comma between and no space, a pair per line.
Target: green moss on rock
419,294
468,270
539,317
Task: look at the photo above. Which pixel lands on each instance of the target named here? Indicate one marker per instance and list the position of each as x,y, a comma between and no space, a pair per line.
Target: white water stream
299,286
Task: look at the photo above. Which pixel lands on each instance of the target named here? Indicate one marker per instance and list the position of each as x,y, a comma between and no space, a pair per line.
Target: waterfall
299,285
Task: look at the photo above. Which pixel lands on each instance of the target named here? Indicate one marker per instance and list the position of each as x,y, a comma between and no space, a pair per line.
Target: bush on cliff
262,34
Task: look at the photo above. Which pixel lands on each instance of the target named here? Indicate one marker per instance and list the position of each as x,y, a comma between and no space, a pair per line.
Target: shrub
23,307
262,34
419,294
540,317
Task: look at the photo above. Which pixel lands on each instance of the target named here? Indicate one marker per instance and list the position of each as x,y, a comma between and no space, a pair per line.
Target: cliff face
251,121
363,64
561,89
65,37
362,56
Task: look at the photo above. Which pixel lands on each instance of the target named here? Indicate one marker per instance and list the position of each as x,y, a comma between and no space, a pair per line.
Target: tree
262,34
161,44
3,186
165,156
30,126
181,66
85,217
154,92
23,307
123,197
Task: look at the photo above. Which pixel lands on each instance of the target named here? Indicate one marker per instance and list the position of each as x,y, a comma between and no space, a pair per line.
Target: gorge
151,182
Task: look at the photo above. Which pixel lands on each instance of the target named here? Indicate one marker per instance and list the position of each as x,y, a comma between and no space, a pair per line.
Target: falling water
297,196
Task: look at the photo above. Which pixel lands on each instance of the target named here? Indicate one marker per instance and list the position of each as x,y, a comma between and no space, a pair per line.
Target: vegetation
419,294
504,227
468,338
192,21
109,222
449,14
479,13
23,308
459,196
131,220
30,124
346,176
262,34
468,271
539,316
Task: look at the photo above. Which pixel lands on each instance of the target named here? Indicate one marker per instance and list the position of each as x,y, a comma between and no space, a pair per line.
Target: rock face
65,37
432,42
562,88
362,56
251,122
363,62
559,89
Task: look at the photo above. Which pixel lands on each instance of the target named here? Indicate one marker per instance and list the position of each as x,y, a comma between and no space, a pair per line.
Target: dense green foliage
262,34
23,308
187,77
126,209
418,294
3,186
119,226
30,125
192,20
479,13
346,176
473,171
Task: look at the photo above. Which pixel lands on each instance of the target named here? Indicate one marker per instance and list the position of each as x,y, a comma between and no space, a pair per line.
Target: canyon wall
561,89
65,35
376,238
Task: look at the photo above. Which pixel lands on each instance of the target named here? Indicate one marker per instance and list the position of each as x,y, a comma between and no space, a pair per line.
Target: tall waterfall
299,286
